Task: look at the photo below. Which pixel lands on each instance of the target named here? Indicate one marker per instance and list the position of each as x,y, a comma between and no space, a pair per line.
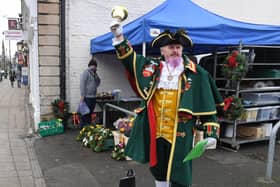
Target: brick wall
49,53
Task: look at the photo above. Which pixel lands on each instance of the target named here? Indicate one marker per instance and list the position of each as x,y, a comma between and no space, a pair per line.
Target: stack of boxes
259,130
262,113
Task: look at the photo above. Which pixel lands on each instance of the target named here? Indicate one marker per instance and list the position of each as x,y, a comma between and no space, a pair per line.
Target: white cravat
170,76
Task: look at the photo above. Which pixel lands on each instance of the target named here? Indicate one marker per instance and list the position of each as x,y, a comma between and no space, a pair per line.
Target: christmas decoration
60,109
235,66
233,108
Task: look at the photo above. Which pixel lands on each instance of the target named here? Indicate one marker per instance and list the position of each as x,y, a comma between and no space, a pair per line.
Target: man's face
171,51
92,67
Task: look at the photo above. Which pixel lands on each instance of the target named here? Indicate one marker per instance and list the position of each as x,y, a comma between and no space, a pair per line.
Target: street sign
13,35
12,24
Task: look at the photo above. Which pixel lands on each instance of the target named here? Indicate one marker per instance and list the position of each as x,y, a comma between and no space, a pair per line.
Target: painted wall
88,19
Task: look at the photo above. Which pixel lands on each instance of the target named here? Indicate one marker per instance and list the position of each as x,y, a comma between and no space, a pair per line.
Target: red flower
227,102
232,62
61,105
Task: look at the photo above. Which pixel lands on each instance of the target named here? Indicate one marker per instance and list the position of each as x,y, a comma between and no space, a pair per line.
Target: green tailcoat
198,97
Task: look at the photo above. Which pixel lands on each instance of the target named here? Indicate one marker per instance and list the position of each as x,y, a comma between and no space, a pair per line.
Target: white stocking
162,183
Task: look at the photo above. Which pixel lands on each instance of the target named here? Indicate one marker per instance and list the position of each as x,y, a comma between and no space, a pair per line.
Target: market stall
210,33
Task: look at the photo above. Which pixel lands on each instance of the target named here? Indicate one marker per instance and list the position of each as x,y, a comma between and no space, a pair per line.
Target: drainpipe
62,51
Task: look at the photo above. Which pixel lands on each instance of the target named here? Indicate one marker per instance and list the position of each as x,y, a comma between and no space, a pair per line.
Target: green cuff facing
211,130
123,49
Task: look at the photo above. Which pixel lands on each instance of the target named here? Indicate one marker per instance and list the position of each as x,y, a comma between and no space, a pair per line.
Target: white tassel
162,183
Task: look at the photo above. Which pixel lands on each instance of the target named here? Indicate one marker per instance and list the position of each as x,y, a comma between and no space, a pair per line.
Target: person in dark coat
12,77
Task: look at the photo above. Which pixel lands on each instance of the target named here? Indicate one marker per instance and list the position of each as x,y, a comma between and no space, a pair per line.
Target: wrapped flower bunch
118,151
124,124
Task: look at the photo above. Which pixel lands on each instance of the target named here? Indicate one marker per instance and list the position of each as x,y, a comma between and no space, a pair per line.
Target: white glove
211,143
116,28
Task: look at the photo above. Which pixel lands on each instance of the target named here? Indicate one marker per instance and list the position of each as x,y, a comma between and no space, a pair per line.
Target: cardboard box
252,131
251,114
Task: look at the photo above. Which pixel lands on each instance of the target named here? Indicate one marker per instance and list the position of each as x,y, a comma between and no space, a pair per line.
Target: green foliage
235,66
118,152
233,108
60,109
97,138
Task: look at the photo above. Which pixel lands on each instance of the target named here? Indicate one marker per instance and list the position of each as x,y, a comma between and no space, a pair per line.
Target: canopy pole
144,48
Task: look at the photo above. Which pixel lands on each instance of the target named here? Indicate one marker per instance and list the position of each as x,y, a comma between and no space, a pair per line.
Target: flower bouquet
118,151
235,66
124,125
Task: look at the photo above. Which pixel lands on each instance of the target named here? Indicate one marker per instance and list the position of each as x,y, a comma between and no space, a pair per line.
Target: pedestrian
18,77
178,95
12,77
89,83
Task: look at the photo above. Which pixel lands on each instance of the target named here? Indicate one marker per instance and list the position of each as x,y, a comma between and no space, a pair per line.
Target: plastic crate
49,128
108,144
261,98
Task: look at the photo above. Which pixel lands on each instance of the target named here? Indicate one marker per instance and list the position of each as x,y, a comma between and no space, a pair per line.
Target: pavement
60,161
19,166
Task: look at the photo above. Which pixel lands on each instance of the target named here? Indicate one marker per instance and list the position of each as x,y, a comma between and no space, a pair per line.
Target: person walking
178,95
18,77
89,83
12,77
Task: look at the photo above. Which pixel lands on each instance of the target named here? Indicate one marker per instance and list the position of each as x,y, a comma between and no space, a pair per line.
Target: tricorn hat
167,38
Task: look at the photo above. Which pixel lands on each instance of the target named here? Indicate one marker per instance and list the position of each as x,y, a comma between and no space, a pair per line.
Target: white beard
174,61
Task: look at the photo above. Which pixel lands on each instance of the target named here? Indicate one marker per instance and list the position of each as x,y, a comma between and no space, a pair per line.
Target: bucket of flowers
121,135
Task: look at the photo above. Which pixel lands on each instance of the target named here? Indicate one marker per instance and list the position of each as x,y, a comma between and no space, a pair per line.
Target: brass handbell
120,13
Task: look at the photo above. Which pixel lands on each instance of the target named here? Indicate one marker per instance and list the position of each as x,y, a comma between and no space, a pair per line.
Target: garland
235,66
